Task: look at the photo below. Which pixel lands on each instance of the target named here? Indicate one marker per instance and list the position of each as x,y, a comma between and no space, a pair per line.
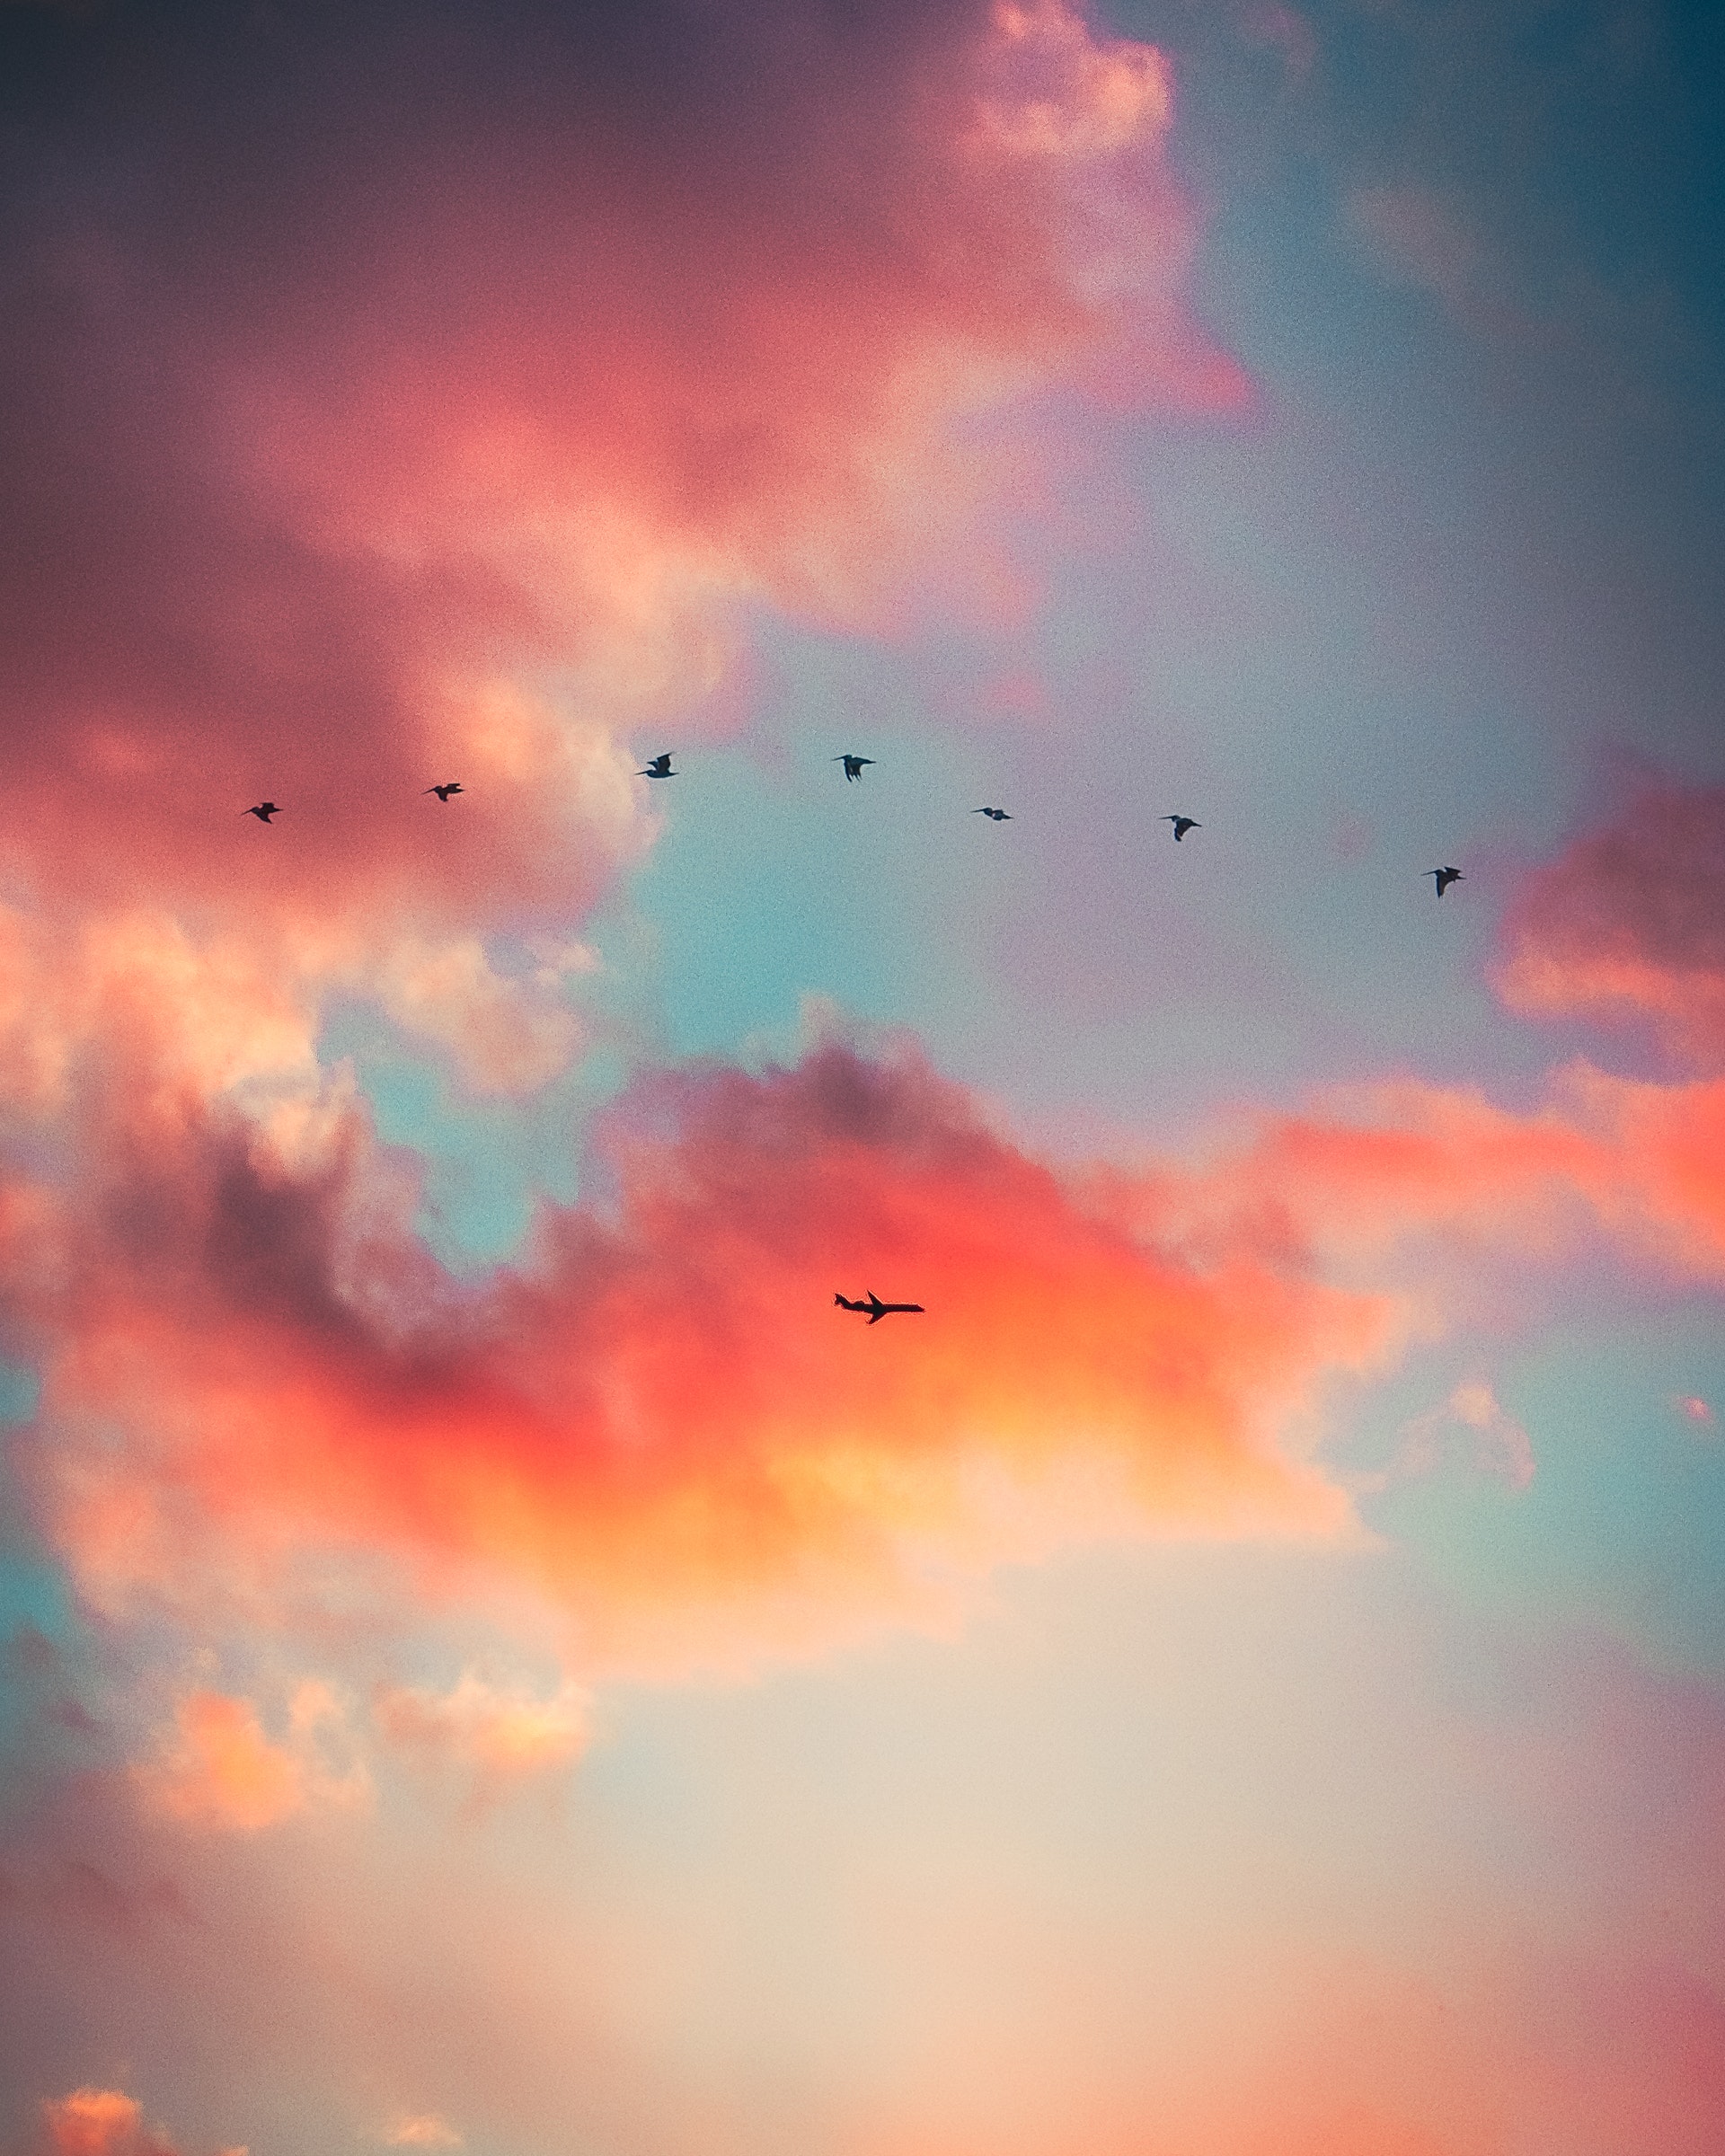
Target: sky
492,1658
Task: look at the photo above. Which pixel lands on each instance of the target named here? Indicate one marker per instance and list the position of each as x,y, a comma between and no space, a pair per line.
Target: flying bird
999,815
875,1307
659,767
263,812
1444,878
443,792
1182,824
852,766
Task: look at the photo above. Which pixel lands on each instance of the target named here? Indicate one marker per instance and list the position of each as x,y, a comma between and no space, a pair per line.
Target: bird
1000,816
1182,824
659,767
263,812
852,766
875,1307
1444,878
443,792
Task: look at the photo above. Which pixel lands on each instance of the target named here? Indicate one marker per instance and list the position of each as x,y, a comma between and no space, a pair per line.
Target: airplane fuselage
876,1308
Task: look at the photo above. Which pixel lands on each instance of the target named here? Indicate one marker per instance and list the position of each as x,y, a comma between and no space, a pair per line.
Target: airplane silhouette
1182,824
1444,878
263,812
852,766
875,1307
443,792
659,767
999,815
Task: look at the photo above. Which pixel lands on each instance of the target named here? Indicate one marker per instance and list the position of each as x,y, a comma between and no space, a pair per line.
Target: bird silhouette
659,767
263,812
1444,878
1182,824
875,1307
998,815
443,792
852,766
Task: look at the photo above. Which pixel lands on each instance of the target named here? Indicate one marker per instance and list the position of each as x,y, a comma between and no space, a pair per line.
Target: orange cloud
421,2130
503,1732
103,2122
1381,1168
220,1768
660,1422
97,2122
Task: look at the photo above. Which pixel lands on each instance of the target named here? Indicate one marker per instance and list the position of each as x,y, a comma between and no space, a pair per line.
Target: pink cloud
539,397
462,449
1501,1447
1628,926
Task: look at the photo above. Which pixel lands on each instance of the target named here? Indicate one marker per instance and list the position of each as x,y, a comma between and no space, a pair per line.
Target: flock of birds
659,767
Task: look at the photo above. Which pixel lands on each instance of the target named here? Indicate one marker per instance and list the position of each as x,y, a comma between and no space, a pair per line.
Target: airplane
263,812
443,792
1444,878
659,767
875,1307
1183,823
852,766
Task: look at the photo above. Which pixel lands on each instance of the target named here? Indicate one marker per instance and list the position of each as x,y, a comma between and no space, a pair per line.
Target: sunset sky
490,1657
